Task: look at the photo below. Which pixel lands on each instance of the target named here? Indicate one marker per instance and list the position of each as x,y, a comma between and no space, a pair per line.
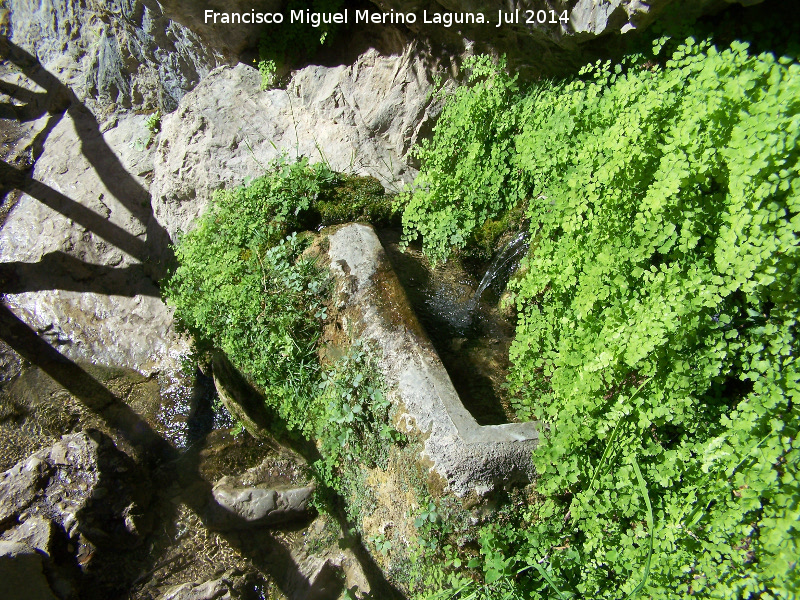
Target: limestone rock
10,364
246,507
319,578
36,532
360,118
229,39
21,485
81,251
21,573
83,484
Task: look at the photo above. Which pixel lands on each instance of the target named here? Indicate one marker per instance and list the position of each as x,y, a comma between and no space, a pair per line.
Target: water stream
502,266
469,333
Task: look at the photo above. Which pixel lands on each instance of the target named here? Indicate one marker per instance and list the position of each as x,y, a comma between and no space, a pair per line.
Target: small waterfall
504,263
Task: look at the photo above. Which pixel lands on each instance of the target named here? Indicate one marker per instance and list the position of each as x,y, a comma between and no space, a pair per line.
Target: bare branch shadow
49,274
59,100
161,457
97,224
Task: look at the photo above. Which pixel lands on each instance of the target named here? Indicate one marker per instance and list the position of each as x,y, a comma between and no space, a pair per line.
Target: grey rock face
36,532
361,118
81,252
10,363
84,485
21,485
219,589
233,585
469,457
122,52
21,573
246,507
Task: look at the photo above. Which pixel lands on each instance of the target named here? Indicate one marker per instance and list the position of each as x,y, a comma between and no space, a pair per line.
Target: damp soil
471,338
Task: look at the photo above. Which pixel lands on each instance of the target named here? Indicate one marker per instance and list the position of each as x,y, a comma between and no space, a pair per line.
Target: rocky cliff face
122,53
543,47
361,118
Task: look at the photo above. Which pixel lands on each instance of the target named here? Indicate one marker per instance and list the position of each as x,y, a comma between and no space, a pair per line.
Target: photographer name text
318,19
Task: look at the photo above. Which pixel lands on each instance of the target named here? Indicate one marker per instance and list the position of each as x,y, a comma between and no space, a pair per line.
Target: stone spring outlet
470,457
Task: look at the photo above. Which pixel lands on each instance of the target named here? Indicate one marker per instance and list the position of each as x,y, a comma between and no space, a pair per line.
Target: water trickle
502,266
471,337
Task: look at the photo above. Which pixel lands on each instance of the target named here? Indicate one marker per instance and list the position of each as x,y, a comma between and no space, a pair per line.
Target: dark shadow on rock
60,100
80,384
97,224
60,271
166,464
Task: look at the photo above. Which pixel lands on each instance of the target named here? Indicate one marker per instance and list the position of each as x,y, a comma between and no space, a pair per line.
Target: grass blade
550,582
644,491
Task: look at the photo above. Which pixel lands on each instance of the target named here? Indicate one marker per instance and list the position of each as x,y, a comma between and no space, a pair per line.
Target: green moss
355,198
484,241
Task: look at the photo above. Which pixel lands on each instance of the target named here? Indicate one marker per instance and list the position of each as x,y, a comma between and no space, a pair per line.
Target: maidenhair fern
664,204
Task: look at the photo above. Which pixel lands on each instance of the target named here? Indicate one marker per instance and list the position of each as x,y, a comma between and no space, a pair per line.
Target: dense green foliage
467,172
658,313
244,286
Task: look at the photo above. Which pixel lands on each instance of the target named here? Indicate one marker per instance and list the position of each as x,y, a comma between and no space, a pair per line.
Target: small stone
58,454
218,589
246,507
36,532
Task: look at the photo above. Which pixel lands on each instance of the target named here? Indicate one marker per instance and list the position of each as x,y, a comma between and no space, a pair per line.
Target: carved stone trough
468,456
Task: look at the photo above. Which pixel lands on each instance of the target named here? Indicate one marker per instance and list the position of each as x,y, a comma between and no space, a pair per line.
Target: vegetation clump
289,42
657,315
243,285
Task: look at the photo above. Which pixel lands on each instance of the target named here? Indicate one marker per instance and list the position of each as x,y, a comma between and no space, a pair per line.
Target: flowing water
470,335
502,266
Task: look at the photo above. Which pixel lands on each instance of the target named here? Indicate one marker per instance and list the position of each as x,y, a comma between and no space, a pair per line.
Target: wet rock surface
219,589
53,502
276,491
85,486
